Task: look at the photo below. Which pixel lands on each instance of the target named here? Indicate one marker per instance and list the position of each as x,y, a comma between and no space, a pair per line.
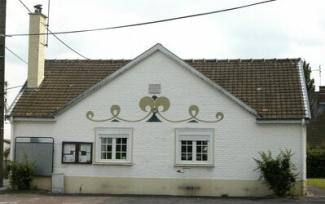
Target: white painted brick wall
237,138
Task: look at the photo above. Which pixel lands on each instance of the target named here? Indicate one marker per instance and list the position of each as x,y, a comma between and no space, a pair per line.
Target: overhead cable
144,23
16,55
54,35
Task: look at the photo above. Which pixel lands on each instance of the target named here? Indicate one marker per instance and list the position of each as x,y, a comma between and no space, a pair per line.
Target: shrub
21,175
6,154
316,162
277,172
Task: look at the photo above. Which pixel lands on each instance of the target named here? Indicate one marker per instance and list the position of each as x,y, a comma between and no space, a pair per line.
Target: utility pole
320,75
3,6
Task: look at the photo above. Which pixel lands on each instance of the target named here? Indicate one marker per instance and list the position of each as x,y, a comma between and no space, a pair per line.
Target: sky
280,29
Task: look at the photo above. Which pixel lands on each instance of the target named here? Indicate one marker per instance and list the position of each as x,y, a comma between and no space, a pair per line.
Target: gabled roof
269,89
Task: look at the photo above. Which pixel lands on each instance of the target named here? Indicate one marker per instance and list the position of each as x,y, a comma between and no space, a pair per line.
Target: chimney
37,24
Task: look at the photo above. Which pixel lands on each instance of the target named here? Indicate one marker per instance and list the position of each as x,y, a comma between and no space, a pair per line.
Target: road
34,198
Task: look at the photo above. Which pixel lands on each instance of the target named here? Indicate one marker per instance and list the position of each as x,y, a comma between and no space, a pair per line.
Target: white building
158,124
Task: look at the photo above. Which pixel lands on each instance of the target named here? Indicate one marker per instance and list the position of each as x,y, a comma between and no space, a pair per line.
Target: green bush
6,161
277,172
316,162
21,175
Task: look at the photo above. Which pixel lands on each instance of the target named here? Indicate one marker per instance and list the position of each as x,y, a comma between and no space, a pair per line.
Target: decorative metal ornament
155,106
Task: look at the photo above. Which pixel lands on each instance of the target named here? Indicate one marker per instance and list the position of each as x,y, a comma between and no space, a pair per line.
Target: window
194,146
113,145
76,153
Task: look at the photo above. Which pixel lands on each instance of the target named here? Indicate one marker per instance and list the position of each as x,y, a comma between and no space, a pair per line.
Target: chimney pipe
36,48
38,8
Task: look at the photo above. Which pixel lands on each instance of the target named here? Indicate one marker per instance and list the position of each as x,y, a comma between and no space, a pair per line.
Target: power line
65,44
26,7
16,55
54,35
145,23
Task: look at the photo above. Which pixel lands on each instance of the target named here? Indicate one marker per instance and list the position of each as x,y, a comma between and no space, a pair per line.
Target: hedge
316,162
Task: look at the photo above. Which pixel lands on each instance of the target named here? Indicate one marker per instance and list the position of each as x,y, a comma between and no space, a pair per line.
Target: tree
310,83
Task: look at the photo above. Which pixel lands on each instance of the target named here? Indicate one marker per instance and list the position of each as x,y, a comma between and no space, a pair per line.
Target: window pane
202,150
69,153
124,155
118,155
186,150
189,148
84,153
109,155
205,157
121,148
184,157
105,140
121,140
106,148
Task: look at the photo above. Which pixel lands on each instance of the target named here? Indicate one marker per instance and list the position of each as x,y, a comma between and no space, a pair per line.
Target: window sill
114,163
74,163
194,165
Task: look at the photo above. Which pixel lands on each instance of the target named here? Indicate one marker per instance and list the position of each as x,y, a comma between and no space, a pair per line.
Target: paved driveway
54,199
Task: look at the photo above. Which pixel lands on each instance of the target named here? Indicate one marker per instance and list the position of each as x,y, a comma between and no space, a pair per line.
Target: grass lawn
320,183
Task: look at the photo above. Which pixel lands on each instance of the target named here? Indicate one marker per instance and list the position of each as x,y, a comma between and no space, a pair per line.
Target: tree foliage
310,83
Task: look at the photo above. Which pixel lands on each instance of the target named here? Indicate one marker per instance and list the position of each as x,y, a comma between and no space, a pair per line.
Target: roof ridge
86,60
190,59
242,59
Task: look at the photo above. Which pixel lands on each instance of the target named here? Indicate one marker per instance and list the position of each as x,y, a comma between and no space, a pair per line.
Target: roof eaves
280,121
34,118
304,88
13,104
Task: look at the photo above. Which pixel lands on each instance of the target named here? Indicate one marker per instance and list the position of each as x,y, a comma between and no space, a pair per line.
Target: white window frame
194,134
113,133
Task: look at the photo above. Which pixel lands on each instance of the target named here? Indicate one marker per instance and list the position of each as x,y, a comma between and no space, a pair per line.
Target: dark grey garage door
38,150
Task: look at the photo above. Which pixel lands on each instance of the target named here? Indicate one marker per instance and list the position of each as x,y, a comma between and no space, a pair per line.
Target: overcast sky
281,29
